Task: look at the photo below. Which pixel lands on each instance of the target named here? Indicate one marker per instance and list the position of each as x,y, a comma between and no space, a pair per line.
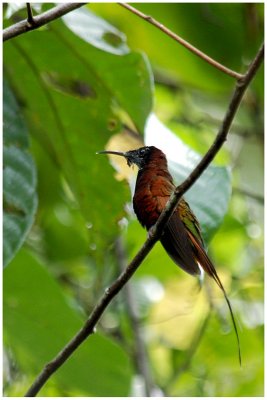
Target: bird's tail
209,268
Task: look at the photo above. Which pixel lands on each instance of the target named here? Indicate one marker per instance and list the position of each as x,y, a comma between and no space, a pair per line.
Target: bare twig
39,20
140,354
254,196
30,18
155,234
183,42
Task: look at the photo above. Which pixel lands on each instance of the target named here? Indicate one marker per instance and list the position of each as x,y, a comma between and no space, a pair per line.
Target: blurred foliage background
70,88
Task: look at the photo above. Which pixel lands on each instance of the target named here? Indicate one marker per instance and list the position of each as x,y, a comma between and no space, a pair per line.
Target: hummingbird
181,237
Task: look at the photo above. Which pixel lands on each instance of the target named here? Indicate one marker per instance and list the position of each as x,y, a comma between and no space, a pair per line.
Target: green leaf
131,80
70,127
209,197
19,179
128,77
96,31
39,321
69,102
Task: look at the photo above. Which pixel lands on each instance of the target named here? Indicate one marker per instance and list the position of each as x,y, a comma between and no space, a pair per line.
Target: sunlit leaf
96,31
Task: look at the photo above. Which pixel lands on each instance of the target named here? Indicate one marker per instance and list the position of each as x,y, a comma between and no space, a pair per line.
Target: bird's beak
117,153
129,158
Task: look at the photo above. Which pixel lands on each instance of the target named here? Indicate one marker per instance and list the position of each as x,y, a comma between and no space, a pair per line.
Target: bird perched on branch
181,237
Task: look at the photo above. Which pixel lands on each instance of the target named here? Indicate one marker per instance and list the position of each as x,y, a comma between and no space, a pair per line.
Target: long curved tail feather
209,268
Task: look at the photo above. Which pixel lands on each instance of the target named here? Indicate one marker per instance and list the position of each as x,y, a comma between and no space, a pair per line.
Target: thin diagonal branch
39,20
154,236
254,196
183,42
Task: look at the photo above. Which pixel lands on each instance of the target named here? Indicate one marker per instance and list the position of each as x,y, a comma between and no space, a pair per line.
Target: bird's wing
176,243
194,235
193,230
175,239
189,220
204,259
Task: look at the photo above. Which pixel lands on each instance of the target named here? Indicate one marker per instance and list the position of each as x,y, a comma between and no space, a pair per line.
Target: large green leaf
19,179
129,77
68,95
210,195
39,321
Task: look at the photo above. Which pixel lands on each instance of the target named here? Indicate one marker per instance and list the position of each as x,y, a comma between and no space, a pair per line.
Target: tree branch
254,196
39,20
183,42
155,233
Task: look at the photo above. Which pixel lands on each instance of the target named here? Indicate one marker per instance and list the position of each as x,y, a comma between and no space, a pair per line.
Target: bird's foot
151,232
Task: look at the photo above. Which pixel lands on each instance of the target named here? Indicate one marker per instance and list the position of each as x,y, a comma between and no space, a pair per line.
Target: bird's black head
139,157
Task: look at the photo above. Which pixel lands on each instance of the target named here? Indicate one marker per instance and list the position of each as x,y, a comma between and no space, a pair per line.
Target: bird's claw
151,232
